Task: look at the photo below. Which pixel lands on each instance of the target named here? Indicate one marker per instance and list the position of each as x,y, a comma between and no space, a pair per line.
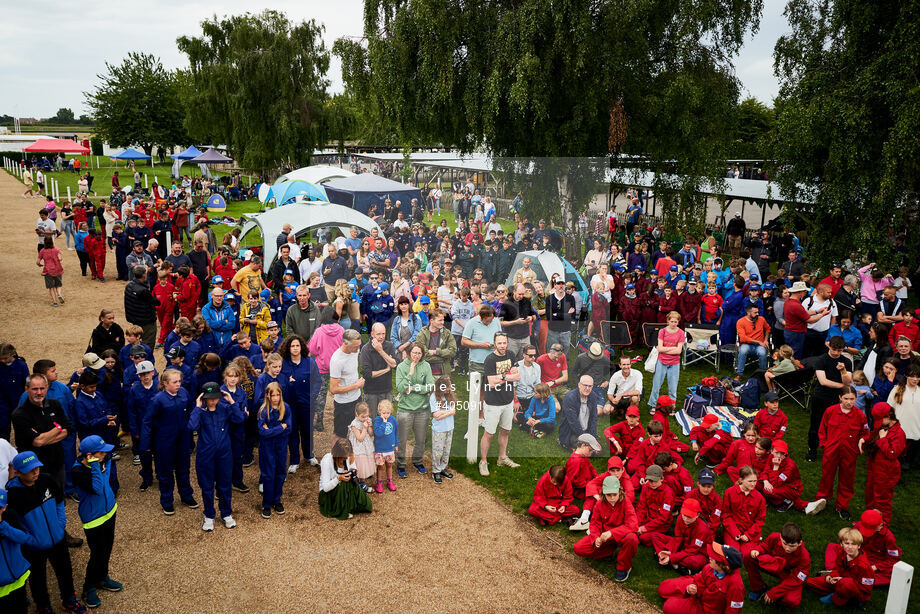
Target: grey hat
611,485
590,440
654,473
145,366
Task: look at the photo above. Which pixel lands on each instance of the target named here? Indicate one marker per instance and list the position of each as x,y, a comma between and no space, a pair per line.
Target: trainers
144,486
111,585
169,510
784,506
483,468
261,488
240,487
437,478
313,462
756,595
91,599
391,485
279,508
190,503
507,462
540,434
249,462
60,299
827,599
116,456
622,575
266,512
136,460
379,487
54,304
401,472
420,468
844,515
447,474
74,606
815,507
229,522
580,525
293,468
207,524
73,542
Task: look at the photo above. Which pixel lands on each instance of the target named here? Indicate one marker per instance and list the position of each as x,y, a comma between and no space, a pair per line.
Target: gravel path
451,548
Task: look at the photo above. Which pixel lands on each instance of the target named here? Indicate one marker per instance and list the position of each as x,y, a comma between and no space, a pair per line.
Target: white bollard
899,592
145,180
472,419
68,193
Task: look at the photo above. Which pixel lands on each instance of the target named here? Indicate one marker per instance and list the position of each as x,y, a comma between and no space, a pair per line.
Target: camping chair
650,333
615,334
700,346
733,348
794,384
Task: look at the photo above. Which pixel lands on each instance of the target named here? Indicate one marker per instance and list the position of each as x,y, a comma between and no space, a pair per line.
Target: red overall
620,520
627,436
688,546
166,309
594,489
791,569
715,447
547,493
786,482
838,436
710,508
882,550
95,249
714,595
680,482
642,455
743,515
189,291
883,467
676,444
655,508
578,472
856,577
772,426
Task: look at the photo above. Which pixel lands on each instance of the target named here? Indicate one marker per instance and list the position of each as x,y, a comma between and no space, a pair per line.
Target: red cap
614,462
664,401
632,410
880,410
869,522
710,419
691,507
781,446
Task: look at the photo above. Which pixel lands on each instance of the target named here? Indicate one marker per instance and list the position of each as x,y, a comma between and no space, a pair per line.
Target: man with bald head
580,408
377,361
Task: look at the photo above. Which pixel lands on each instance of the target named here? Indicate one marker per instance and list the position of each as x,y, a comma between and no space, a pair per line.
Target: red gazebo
56,146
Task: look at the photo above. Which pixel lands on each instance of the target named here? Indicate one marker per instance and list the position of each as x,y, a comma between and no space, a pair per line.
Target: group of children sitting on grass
646,485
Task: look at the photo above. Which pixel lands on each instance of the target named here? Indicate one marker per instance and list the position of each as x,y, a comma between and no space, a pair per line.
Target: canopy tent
187,155
211,156
362,191
545,264
289,191
130,154
303,217
317,174
56,146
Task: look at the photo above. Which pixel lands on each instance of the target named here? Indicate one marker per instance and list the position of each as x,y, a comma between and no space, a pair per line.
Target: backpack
695,406
712,395
750,394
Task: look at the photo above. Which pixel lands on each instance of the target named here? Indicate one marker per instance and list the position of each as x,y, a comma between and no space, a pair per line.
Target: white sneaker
313,462
293,468
507,462
261,488
815,506
208,524
483,468
229,522
580,525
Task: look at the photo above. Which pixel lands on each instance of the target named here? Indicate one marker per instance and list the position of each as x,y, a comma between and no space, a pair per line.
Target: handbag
652,361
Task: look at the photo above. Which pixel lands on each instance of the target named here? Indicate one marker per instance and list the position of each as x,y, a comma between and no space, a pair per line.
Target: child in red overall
631,312
189,290
884,445
594,491
613,527
656,505
879,545
687,549
666,304
701,434
780,482
552,498
664,408
643,452
851,579
744,511
165,292
94,244
623,435
741,452
578,469
710,501
676,477
842,427
783,555
771,421
717,589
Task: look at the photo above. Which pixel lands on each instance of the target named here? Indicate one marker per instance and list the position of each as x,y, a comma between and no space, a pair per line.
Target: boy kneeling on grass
783,555
686,551
552,497
613,527
717,588
848,578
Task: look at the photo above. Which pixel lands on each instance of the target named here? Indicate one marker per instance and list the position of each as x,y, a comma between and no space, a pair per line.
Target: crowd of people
253,354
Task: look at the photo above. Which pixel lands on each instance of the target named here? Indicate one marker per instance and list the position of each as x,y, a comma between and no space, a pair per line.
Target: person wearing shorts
500,371
344,383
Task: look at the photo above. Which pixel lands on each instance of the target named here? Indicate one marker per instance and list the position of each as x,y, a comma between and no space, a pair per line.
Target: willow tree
559,78
257,83
847,121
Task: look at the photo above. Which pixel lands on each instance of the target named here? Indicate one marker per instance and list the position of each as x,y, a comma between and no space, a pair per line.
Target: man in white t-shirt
816,334
7,452
44,227
400,223
625,388
530,377
344,383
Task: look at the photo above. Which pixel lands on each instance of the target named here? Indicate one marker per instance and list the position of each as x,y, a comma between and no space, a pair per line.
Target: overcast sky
51,51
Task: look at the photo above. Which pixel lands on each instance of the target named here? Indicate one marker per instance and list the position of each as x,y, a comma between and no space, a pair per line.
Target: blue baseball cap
25,462
424,300
617,266
383,286
755,277
630,286
754,287
217,279
673,267
266,293
230,296
769,286
706,476
93,444
2,498
639,267
655,271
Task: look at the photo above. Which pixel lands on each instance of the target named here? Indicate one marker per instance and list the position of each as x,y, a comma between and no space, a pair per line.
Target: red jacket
644,451
740,453
680,482
701,435
717,445
791,568
594,487
883,457
655,508
743,514
710,508
94,246
905,329
189,290
666,306
619,519
723,595
689,540
787,475
881,549
842,431
165,296
631,309
689,306
547,493
773,426
578,472
859,569
623,433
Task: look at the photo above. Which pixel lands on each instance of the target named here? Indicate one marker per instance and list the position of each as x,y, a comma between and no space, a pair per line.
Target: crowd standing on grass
381,325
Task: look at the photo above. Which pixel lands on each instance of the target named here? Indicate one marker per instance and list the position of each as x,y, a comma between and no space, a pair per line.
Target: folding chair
707,352
615,334
650,333
733,349
798,382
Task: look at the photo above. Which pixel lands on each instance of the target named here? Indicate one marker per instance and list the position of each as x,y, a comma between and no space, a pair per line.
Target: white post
68,192
145,180
472,419
899,592
97,162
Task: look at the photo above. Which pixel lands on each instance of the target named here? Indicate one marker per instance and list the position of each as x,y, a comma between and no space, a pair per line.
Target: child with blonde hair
443,408
783,362
274,422
386,437
361,437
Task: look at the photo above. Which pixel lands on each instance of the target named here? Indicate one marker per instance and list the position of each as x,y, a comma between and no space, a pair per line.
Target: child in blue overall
216,412
14,568
274,427
232,376
137,400
93,417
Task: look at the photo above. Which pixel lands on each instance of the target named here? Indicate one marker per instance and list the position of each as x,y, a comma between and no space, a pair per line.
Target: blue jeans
796,341
672,373
744,350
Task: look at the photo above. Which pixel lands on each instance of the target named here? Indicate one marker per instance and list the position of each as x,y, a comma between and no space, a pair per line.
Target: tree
574,79
137,103
258,84
64,117
848,115
755,121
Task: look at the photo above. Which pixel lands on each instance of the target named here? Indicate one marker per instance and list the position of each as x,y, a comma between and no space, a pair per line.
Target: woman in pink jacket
872,282
322,345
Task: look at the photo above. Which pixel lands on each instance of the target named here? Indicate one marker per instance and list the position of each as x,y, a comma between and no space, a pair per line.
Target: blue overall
732,311
91,413
273,443
136,404
213,460
237,432
300,383
164,432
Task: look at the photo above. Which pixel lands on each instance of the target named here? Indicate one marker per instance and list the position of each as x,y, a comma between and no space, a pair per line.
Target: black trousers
84,260
15,603
100,541
59,557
